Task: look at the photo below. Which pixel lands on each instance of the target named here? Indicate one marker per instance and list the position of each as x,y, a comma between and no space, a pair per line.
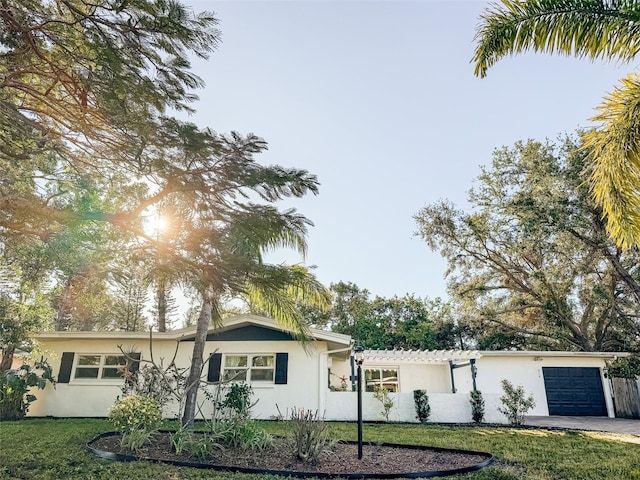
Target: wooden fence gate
626,397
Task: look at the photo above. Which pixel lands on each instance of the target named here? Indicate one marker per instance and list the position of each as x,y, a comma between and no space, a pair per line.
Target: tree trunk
7,357
197,363
162,305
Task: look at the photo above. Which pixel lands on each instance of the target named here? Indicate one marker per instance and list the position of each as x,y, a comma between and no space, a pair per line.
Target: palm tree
225,203
237,268
595,29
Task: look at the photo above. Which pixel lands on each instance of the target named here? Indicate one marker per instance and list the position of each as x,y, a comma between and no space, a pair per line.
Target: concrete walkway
599,424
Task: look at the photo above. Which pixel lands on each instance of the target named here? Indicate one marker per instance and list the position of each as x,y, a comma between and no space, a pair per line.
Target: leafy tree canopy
387,323
595,29
531,264
84,88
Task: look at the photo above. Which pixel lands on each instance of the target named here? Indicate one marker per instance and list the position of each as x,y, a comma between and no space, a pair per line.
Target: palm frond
596,29
279,290
614,149
262,227
216,315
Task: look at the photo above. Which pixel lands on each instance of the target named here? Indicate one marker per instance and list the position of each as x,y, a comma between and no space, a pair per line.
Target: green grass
48,449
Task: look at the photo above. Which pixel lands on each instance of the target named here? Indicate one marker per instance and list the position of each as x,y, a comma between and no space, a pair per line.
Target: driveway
599,424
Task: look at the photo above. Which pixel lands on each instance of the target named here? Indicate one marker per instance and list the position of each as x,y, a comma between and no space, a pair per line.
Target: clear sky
379,100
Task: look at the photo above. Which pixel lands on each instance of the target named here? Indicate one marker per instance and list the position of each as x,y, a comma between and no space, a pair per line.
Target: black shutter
64,375
282,365
214,367
134,358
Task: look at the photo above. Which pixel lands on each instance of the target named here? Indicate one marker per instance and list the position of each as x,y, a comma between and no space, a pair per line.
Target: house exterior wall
520,368
308,379
527,371
434,377
92,398
77,399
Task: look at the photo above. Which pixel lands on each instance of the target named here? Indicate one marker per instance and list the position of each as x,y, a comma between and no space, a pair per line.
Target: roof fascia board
229,324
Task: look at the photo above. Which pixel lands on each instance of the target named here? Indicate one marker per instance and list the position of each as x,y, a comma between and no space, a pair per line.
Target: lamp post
358,353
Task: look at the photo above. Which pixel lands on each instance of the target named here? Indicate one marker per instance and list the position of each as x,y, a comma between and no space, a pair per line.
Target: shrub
135,412
238,400
382,395
477,405
514,403
16,385
230,400
231,425
137,418
308,436
421,401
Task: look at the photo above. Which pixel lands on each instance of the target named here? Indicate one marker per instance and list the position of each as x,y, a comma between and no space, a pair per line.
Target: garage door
574,391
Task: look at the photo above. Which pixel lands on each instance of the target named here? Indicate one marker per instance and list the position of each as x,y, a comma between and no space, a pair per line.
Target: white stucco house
320,374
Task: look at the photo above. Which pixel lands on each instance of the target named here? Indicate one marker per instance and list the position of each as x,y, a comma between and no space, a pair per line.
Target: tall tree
607,29
414,323
170,222
130,283
350,305
83,88
221,249
83,98
533,257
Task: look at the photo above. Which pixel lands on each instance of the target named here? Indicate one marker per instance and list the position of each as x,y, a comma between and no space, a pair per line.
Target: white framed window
386,377
95,366
249,368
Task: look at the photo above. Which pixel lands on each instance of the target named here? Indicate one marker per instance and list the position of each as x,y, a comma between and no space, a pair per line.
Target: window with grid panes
386,377
99,367
249,368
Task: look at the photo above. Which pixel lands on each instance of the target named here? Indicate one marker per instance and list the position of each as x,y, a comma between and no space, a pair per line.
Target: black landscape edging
124,457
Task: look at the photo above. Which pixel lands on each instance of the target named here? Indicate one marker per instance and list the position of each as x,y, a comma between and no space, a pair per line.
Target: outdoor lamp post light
358,354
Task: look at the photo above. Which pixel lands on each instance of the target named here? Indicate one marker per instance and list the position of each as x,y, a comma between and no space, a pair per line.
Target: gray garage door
574,391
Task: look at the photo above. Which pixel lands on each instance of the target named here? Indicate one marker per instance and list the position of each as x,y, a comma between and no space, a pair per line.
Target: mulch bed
378,460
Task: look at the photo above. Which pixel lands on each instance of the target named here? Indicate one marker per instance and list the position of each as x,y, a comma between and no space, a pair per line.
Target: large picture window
100,367
249,368
386,377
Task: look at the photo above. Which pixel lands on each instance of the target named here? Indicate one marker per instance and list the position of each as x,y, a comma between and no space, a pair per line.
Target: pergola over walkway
455,359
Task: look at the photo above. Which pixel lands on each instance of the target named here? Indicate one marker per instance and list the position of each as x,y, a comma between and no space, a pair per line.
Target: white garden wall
445,408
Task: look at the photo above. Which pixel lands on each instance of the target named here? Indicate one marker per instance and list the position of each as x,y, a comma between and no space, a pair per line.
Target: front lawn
48,449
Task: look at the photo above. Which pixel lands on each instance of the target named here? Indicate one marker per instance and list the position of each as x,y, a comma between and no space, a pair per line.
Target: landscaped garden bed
55,449
378,460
